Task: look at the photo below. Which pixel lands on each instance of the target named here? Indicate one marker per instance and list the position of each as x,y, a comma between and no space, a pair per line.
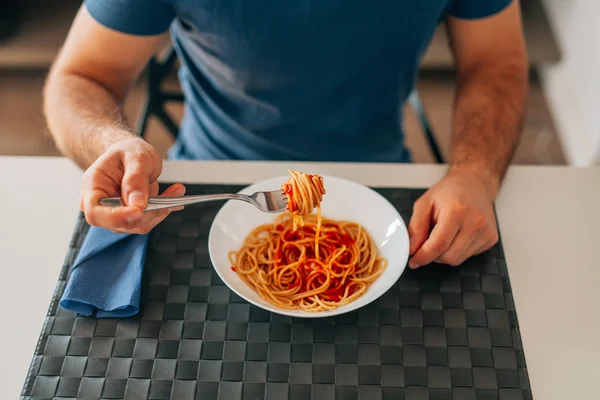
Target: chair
156,99
417,105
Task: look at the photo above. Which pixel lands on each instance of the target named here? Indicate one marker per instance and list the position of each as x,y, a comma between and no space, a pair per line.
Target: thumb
136,180
420,224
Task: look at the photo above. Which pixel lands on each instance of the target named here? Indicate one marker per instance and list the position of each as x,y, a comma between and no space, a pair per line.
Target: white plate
343,200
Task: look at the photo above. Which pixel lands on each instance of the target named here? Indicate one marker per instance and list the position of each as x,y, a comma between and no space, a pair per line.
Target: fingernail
137,198
178,208
413,265
180,191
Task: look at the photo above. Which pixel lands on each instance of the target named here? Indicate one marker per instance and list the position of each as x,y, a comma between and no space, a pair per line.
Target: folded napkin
107,275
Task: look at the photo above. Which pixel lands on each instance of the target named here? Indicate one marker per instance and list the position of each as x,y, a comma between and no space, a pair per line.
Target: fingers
442,236
460,207
126,219
472,236
150,219
484,245
129,169
176,189
420,224
475,236
153,218
459,249
109,217
135,186
478,234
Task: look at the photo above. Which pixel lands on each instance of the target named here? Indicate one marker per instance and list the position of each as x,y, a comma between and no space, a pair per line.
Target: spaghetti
281,264
304,192
313,264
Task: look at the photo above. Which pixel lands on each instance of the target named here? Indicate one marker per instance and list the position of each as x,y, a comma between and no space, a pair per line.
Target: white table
549,222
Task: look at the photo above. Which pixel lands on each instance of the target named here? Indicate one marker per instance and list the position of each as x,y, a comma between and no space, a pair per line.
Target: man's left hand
453,220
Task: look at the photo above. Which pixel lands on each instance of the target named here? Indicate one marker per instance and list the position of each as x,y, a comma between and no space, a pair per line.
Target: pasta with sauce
304,261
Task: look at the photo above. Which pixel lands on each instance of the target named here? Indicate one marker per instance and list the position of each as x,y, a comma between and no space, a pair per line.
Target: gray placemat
438,333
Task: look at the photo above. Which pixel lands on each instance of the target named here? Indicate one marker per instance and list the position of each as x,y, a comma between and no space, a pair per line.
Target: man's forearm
488,117
83,117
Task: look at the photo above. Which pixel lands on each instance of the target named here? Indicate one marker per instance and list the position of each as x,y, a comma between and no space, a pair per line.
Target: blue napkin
106,278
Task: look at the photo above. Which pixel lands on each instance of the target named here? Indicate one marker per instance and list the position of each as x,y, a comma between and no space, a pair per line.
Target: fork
270,202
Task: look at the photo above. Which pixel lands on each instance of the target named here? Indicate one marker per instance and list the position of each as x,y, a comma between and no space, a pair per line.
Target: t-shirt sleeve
473,9
135,17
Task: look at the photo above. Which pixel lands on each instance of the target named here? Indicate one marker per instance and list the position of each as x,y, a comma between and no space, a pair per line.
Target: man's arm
83,101
455,220
492,71
87,86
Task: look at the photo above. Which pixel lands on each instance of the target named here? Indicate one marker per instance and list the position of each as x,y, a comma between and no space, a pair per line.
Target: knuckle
421,202
441,246
140,157
133,171
441,260
89,176
479,221
93,174
451,260
459,208
415,228
455,261
412,231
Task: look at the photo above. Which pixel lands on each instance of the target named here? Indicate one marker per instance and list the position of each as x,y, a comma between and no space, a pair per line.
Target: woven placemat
439,333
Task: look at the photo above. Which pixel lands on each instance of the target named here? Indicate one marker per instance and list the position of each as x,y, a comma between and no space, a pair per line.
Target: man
294,80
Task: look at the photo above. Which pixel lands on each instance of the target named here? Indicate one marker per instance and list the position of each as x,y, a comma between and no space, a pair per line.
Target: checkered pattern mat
439,333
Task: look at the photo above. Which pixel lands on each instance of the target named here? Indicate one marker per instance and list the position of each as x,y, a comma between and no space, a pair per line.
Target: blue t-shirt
307,80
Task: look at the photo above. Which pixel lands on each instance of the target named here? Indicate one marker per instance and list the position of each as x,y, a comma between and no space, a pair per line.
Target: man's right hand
128,169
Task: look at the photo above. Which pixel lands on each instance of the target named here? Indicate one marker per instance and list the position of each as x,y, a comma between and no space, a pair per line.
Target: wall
572,86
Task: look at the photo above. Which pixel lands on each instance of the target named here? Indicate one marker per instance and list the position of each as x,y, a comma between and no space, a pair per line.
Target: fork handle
161,202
